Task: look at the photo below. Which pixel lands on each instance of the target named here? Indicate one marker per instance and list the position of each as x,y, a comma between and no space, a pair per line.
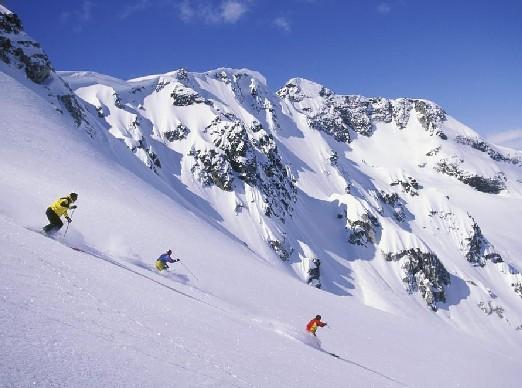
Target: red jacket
312,325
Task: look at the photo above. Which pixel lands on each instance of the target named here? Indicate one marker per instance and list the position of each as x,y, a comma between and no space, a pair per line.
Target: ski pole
187,268
66,229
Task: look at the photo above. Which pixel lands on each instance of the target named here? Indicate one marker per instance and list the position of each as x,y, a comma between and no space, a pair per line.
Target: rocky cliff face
17,49
423,272
491,185
482,146
247,154
341,116
22,53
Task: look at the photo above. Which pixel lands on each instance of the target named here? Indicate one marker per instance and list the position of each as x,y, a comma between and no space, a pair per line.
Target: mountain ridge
345,118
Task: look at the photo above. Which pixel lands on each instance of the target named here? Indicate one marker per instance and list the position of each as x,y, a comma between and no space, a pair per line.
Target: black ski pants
55,223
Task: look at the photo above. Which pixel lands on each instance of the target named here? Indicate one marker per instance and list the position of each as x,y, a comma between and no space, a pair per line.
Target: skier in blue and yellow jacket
57,209
161,262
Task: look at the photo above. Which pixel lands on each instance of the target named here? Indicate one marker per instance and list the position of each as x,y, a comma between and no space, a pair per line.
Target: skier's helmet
169,252
318,317
74,196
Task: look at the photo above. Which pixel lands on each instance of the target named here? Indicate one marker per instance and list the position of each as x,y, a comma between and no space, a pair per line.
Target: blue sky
465,55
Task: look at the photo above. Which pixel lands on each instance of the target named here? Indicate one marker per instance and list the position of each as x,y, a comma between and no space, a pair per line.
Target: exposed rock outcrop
490,307
479,250
408,185
70,103
178,133
487,185
482,146
362,231
18,49
250,156
337,115
314,273
281,248
395,203
20,52
430,116
184,96
423,272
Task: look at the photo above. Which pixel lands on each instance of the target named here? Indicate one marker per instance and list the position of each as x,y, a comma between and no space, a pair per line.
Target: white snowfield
232,313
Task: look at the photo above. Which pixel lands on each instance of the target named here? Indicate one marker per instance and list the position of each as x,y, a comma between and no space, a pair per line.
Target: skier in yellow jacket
57,209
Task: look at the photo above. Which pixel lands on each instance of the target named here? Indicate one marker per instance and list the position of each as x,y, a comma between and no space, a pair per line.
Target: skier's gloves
73,207
68,219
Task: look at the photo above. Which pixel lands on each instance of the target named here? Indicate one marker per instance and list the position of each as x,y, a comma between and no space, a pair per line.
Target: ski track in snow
314,342
304,338
85,250
366,368
92,252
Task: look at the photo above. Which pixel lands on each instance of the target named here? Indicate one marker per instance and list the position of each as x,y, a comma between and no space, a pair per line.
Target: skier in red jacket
312,326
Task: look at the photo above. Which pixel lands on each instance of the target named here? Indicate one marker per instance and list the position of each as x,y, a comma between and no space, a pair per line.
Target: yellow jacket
61,205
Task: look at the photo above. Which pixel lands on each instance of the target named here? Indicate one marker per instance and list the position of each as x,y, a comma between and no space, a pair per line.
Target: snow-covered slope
402,205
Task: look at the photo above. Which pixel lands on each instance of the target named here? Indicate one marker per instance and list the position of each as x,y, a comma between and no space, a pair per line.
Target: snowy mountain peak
302,86
85,78
4,10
